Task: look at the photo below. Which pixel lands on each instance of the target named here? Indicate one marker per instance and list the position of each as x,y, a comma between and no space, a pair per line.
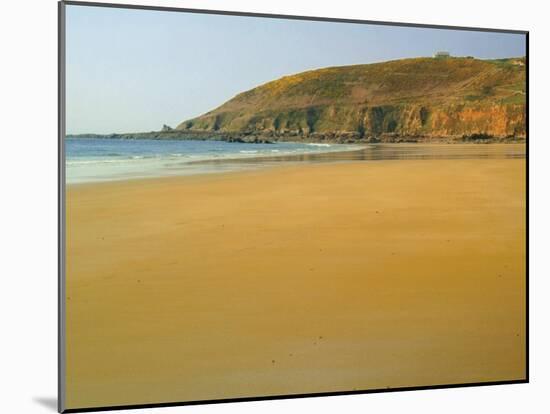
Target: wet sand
296,279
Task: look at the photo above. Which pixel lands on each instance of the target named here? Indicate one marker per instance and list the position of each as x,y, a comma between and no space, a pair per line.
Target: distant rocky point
168,133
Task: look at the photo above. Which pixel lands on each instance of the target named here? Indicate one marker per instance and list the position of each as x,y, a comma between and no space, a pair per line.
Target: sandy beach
295,279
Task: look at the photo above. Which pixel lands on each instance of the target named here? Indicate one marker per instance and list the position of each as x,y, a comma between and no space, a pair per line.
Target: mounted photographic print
259,206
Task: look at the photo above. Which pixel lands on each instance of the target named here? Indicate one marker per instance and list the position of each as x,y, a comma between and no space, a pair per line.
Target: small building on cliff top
442,55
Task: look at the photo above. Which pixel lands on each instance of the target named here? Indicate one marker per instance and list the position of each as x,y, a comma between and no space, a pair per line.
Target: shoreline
154,161
370,152
335,137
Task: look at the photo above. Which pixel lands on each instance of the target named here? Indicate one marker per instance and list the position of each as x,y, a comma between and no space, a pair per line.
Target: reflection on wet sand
379,152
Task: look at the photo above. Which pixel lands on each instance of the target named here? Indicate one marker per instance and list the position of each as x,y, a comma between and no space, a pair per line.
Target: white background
28,230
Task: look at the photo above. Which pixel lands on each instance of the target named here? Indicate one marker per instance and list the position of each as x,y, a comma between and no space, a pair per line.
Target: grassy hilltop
420,99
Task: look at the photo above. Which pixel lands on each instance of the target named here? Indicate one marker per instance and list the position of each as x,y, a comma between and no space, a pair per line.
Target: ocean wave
91,162
315,144
108,161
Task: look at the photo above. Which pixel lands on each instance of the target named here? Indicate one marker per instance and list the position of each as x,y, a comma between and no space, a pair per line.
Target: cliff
420,99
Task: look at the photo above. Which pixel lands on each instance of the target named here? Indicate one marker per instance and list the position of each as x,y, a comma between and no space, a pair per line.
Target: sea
104,159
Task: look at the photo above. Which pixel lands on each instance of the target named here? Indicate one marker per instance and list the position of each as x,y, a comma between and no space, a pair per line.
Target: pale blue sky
134,70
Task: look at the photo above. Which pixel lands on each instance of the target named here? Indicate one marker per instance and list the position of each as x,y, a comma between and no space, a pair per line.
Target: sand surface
296,279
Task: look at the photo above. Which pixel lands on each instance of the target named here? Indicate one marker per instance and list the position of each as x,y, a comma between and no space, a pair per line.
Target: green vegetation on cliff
421,97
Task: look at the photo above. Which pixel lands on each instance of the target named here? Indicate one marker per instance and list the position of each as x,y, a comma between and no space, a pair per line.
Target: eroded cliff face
413,97
403,120
450,120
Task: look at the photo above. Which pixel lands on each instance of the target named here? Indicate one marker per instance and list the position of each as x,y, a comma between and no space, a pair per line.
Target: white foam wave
315,144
